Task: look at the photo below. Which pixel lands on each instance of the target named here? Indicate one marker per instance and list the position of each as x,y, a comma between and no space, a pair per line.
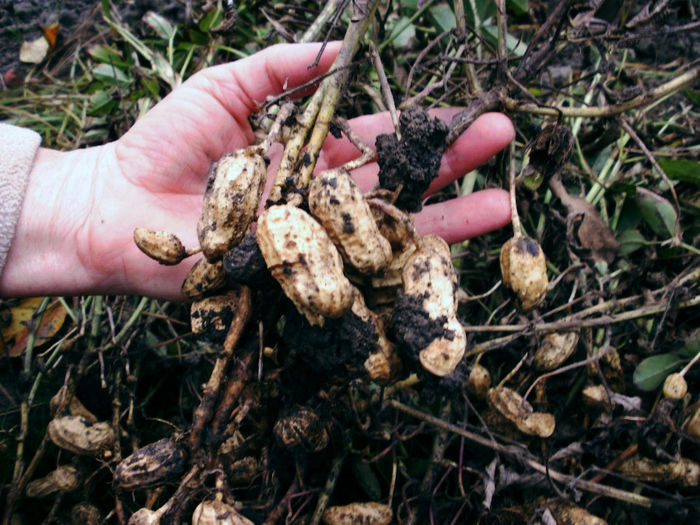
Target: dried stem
644,99
525,458
210,393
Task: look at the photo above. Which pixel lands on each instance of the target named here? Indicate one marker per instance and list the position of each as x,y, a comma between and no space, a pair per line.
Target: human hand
74,235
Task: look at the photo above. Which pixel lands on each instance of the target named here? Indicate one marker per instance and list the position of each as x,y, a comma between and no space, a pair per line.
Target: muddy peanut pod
203,278
218,512
367,513
336,201
81,436
509,404
63,479
425,314
230,201
524,270
555,348
151,465
479,381
570,514
444,353
145,516
162,246
382,363
212,315
682,472
304,261
85,514
301,431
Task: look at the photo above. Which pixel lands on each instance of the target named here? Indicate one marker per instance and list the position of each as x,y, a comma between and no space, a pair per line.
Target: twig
386,89
521,454
362,15
204,411
644,99
332,479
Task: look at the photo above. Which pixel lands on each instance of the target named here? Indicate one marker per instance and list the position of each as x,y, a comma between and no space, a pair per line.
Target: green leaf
367,479
160,25
101,103
107,55
110,74
212,20
652,371
630,241
515,46
657,212
683,170
443,17
517,7
402,33
692,95
691,346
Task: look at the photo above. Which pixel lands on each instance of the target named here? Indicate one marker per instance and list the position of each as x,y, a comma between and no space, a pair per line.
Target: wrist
45,256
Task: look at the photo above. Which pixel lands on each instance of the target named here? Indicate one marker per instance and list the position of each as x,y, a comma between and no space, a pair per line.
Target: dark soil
412,162
23,20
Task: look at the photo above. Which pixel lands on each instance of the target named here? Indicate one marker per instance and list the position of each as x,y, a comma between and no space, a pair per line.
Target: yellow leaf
15,335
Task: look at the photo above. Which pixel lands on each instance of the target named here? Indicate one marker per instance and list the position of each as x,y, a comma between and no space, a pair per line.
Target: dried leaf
15,335
51,33
35,51
585,225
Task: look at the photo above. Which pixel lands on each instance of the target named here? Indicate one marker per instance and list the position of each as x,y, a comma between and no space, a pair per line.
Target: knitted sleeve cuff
18,147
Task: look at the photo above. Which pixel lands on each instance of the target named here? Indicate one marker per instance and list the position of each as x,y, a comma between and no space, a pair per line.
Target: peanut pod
336,201
510,405
304,261
204,277
231,200
524,270
81,436
151,465
430,280
162,246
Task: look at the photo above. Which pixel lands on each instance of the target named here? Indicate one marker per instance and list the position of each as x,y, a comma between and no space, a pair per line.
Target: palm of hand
159,168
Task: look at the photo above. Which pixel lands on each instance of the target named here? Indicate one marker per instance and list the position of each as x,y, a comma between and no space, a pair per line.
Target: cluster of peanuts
322,259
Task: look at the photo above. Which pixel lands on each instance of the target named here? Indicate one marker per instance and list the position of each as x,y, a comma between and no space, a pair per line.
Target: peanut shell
217,512
336,201
443,354
366,513
524,270
81,436
151,465
509,404
554,349
63,479
162,246
204,277
429,272
230,201
304,261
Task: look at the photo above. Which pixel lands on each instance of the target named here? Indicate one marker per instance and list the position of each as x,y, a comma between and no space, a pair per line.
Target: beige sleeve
18,147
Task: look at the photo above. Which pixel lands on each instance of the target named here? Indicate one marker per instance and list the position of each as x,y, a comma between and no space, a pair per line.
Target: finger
488,135
241,86
465,217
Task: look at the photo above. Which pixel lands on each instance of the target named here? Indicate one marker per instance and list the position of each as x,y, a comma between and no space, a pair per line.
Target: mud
22,20
412,162
245,264
412,326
